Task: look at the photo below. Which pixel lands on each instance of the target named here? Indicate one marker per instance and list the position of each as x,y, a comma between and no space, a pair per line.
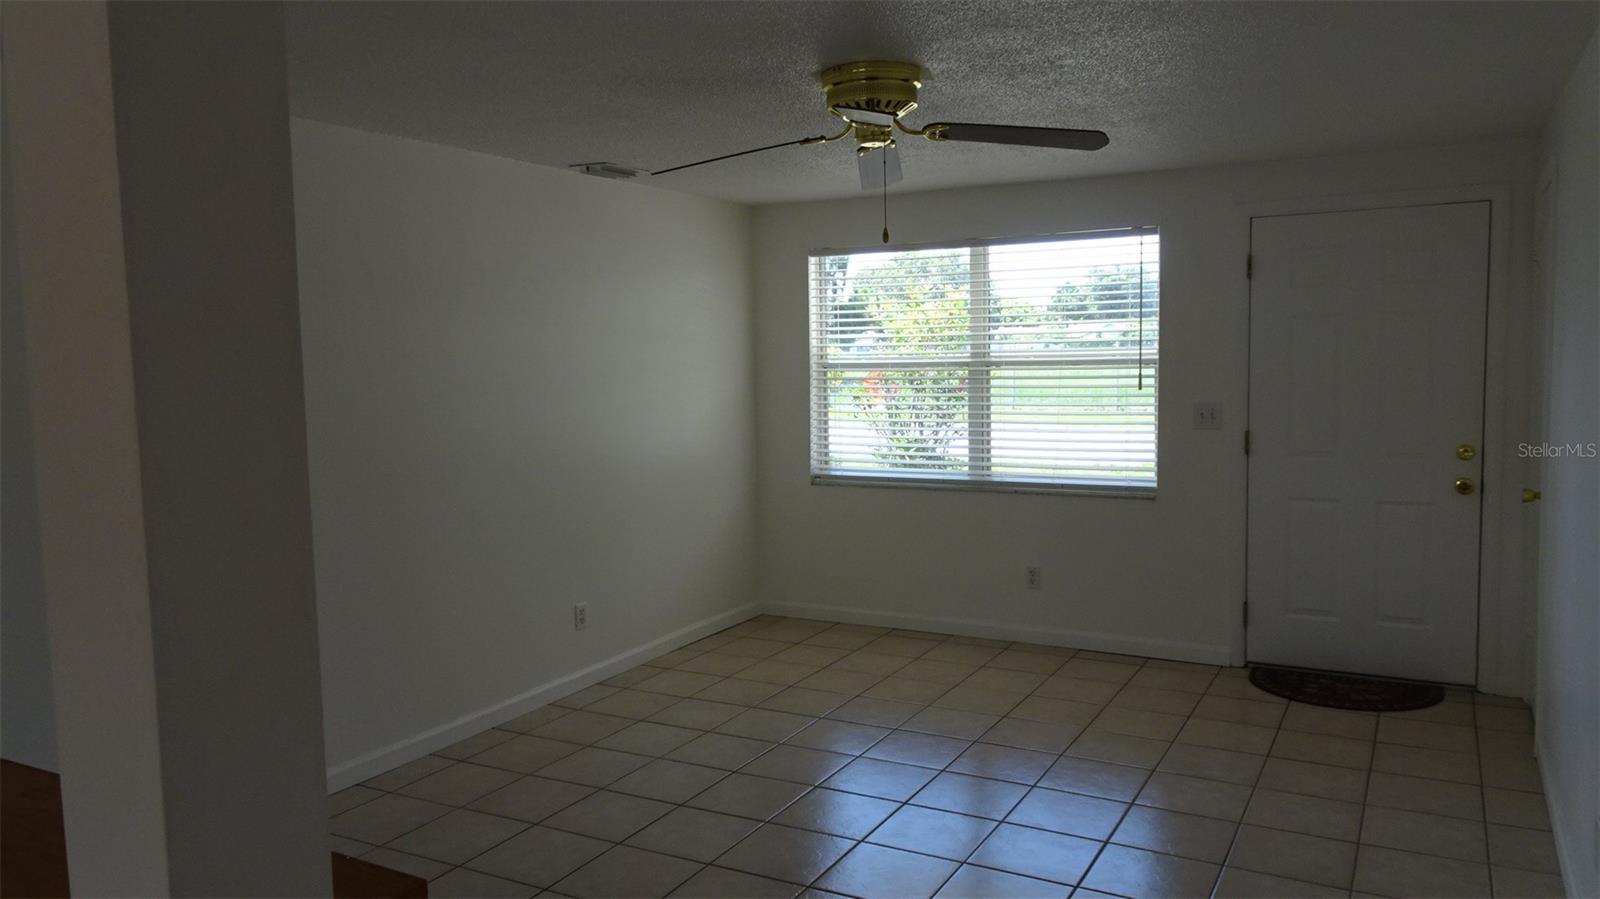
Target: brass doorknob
1530,495
1466,452
1464,486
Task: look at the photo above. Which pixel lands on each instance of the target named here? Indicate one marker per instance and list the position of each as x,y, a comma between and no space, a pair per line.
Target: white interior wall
1162,578
1568,706
526,388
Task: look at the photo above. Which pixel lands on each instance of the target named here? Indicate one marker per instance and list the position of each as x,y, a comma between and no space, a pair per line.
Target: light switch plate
1207,416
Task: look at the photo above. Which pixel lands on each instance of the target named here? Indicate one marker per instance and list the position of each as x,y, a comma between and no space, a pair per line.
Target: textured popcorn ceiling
655,84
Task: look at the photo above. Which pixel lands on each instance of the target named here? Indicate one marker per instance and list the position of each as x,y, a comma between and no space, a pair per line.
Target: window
1016,365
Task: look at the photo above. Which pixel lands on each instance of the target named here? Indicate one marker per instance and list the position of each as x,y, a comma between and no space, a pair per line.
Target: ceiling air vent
606,170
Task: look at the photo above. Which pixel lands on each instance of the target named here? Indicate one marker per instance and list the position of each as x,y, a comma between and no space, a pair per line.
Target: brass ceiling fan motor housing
871,95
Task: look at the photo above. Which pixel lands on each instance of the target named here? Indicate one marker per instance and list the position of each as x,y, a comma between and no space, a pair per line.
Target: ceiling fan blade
1018,135
788,143
879,166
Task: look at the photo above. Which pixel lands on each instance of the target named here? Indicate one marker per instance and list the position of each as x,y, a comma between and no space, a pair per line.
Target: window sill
1118,491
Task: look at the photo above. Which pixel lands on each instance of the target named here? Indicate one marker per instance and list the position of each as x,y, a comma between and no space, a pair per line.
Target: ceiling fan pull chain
885,153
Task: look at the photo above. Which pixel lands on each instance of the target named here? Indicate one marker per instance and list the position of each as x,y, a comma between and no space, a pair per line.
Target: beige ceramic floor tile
475,744
1414,761
698,714
765,724
464,883
803,701
724,883
406,863
875,712
635,704
1237,883
1457,838
1036,853
539,856
870,870
1024,766
410,772
839,736
1391,872
1195,795
783,853
1427,734
625,872
531,799
385,818
693,834
582,727
458,836
1071,813
594,767
927,750
972,881
932,832
885,780
1139,723
668,781
720,751
1294,855
608,816
1322,749
1139,874
1512,882
1516,808
1516,847
841,814
1227,735
951,723
525,754
970,795
1040,736
797,764
1215,764
1238,711
1176,833
749,797
1094,778
1421,794
1118,749
1305,814
1312,779
648,738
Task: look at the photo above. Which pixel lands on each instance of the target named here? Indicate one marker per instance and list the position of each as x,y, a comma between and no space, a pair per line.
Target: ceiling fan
871,97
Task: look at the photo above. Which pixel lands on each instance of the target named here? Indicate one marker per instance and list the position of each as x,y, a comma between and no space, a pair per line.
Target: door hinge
1249,266
1247,613
1247,441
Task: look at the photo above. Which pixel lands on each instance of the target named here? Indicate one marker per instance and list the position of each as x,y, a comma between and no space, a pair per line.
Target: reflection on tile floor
787,757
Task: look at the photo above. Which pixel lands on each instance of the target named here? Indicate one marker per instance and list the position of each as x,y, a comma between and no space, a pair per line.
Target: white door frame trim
1503,601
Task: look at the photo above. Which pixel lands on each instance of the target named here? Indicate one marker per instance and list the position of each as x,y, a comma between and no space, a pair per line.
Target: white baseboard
398,753
1205,653
1567,850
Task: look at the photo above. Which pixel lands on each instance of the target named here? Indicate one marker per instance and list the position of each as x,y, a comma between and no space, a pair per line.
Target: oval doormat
1346,691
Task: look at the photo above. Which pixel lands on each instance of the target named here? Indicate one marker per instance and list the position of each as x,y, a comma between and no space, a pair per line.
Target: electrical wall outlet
1207,416
1034,577
580,616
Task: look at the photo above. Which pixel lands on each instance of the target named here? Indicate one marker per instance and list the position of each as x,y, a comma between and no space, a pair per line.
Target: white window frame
980,380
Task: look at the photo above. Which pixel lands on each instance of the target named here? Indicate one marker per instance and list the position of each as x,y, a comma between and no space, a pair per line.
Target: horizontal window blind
1021,364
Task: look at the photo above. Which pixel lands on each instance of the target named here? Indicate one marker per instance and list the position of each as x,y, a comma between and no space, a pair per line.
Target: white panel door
1366,374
